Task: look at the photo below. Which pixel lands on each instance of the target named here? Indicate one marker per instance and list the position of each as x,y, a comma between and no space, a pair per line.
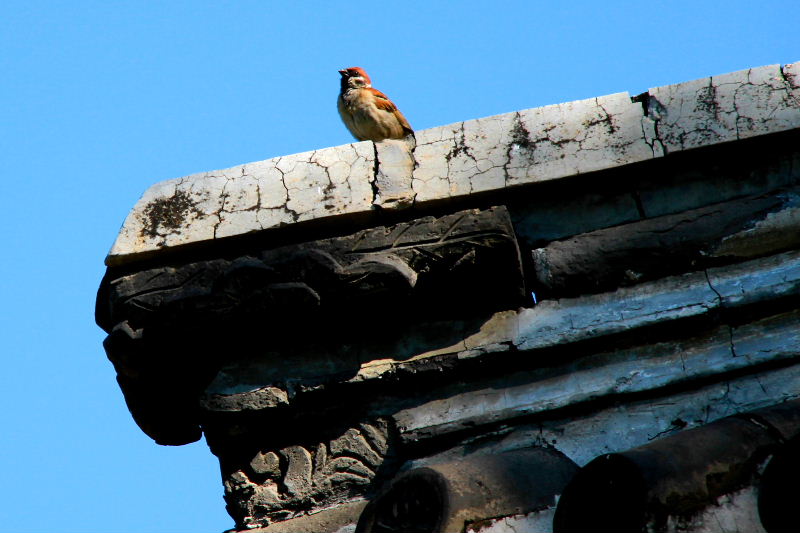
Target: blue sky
99,100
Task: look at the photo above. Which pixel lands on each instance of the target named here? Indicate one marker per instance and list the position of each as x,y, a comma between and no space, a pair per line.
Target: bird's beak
343,72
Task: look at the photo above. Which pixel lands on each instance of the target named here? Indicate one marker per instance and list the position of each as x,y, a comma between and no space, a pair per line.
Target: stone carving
426,258
279,484
320,358
168,323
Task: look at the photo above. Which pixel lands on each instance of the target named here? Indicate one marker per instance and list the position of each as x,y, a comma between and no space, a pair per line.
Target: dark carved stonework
451,368
277,484
176,323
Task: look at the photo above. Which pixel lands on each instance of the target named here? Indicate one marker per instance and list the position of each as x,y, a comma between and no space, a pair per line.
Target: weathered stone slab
630,424
529,146
487,154
566,320
615,426
442,257
776,277
724,108
690,295
554,323
656,247
250,197
546,218
643,368
697,179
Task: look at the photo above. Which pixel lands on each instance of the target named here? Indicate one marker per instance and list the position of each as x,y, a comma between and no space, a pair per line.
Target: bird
367,112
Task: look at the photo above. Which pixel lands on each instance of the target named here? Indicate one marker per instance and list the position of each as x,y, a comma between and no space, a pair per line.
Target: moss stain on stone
167,214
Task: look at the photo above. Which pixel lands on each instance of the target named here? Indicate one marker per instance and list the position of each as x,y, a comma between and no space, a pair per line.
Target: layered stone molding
586,311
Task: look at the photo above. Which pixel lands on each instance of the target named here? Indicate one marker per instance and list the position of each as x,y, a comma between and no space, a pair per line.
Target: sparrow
367,112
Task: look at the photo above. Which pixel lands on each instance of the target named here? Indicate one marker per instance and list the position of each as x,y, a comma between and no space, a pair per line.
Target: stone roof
485,327
447,162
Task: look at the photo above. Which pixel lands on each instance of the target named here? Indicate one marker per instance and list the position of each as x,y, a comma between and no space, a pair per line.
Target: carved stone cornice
180,323
565,282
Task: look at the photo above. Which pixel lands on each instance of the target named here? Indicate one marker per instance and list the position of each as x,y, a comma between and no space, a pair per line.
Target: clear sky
99,100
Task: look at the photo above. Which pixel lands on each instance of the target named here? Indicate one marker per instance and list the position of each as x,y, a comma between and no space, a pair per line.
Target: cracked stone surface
575,320
529,146
250,197
725,108
625,372
591,315
392,184
571,321
486,154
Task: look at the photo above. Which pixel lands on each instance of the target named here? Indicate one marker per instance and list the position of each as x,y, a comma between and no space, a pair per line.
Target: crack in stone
657,139
218,213
761,385
394,187
330,188
520,140
790,84
258,207
608,121
414,167
452,153
675,425
739,115
346,181
720,306
295,215
644,99
460,146
376,192
706,99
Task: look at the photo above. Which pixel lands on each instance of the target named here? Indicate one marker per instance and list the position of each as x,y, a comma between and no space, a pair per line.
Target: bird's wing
382,102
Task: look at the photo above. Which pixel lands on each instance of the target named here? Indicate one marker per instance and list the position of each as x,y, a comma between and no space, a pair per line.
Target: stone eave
454,161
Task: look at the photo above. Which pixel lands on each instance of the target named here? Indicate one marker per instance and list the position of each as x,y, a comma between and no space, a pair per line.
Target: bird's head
354,77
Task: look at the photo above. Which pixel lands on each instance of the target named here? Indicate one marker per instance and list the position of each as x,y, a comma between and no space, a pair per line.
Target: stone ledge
341,519
487,154
511,336
648,368
552,323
